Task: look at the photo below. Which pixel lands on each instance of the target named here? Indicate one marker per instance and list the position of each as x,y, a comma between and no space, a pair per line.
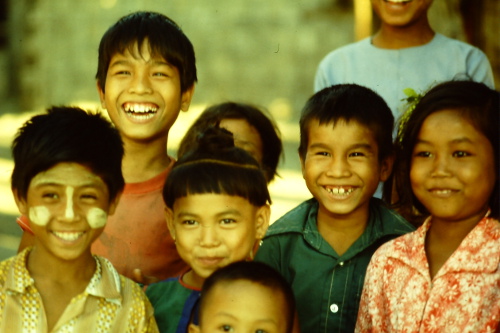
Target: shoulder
293,221
348,51
389,220
455,45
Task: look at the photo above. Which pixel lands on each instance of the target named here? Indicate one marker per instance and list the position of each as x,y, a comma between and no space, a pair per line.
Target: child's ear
262,221
114,203
193,328
101,95
302,167
21,204
386,167
186,98
169,217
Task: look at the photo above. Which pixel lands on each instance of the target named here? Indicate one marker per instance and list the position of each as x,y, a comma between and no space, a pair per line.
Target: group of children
194,233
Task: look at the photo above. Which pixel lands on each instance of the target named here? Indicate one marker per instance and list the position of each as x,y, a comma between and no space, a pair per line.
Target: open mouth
340,191
68,236
142,111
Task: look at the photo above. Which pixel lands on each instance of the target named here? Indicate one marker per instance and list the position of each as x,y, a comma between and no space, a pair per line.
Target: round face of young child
67,206
243,306
401,13
213,230
452,170
245,136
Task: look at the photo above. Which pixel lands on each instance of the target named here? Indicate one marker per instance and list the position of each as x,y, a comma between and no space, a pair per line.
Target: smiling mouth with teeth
68,236
147,110
340,190
398,1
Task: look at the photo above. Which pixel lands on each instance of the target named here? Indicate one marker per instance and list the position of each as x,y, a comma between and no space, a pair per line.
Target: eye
50,195
89,196
226,328
422,154
189,222
356,154
260,331
460,154
227,221
124,72
160,74
322,153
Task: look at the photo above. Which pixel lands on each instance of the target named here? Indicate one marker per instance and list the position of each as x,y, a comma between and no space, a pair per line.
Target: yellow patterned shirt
110,303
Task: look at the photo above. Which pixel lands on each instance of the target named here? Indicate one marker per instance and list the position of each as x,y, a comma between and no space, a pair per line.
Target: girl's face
245,136
452,169
213,230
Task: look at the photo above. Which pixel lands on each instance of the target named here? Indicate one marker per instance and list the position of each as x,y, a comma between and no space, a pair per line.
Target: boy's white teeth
442,191
340,190
68,236
140,108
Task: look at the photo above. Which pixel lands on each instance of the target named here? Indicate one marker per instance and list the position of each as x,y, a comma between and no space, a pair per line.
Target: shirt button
334,308
341,263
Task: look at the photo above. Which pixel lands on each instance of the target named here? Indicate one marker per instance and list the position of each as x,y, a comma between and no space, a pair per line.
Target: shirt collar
19,278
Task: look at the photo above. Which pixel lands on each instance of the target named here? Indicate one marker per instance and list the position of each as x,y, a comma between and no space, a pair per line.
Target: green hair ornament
412,100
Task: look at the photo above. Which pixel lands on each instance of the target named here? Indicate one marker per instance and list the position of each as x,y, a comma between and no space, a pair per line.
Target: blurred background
256,51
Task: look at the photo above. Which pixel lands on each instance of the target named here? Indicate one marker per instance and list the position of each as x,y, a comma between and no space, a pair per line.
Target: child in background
323,246
445,276
245,297
145,76
253,131
404,53
67,179
217,210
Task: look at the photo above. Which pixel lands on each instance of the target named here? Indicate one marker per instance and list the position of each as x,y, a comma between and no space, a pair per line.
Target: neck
143,161
453,232
192,279
393,37
43,265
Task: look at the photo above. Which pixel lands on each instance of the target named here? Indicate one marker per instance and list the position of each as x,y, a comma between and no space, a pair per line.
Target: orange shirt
136,235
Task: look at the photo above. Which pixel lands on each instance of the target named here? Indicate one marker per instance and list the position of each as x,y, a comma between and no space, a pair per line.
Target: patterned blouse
110,303
464,296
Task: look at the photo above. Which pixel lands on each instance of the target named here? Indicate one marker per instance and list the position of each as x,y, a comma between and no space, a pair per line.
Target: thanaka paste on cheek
70,214
97,218
39,215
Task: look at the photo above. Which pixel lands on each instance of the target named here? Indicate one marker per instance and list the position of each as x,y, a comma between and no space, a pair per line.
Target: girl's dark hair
475,102
67,134
255,272
268,131
215,165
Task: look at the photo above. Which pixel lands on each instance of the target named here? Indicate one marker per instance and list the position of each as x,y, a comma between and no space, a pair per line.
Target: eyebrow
49,182
267,320
154,62
354,146
221,214
454,141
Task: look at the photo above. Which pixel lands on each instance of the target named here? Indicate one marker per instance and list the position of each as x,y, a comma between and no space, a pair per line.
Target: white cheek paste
70,214
97,218
39,215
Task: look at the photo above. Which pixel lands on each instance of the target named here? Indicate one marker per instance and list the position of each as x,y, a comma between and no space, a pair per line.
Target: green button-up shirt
327,286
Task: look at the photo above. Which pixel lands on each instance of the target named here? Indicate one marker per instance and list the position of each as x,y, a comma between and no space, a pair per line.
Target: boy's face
143,95
213,230
67,206
400,13
453,169
242,306
342,169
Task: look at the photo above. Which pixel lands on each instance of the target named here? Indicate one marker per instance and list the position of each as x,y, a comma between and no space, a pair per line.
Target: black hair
165,39
215,165
255,272
349,102
67,134
272,147
475,102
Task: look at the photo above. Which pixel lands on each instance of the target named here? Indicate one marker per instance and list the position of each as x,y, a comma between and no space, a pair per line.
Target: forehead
211,203
67,174
448,124
340,131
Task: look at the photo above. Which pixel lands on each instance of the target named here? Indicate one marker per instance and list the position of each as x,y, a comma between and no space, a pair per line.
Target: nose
441,166
140,83
209,236
338,167
69,214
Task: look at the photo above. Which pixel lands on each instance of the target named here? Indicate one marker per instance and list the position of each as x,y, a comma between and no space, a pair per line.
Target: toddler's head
246,297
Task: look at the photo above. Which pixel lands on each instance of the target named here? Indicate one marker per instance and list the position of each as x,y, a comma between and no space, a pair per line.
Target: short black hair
215,165
349,102
255,272
257,117
67,134
165,39
477,103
